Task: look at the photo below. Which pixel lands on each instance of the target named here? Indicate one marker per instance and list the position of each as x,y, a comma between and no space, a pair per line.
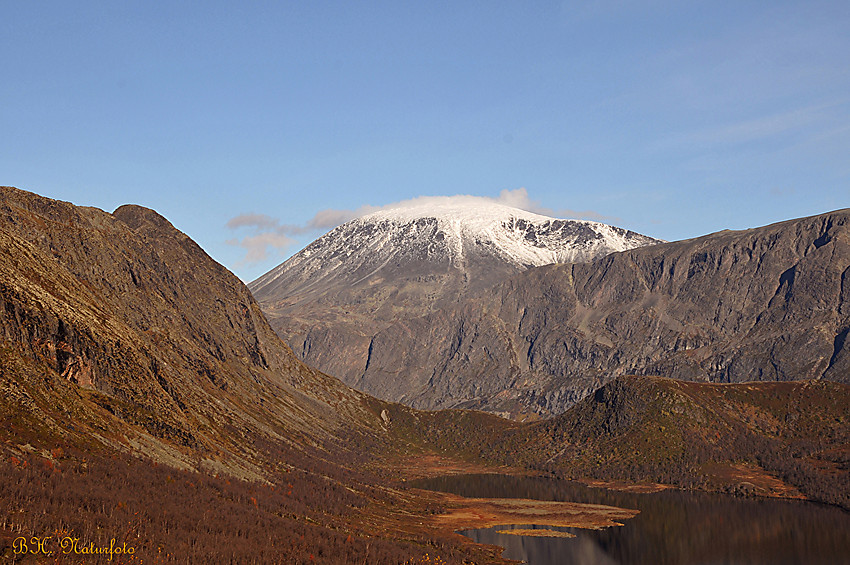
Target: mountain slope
137,380
704,435
145,399
328,300
781,439
770,303
127,307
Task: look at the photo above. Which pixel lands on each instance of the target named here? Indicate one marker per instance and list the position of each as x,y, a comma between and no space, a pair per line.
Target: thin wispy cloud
261,247
755,129
252,220
519,198
268,238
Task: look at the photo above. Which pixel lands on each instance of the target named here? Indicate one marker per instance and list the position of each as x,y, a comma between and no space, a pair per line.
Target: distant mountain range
331,300
765,304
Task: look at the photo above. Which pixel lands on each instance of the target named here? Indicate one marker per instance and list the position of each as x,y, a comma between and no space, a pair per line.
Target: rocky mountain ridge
330,299
139,320
765,304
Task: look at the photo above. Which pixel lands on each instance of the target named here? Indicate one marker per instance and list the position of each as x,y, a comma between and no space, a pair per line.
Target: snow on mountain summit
454,232
517,236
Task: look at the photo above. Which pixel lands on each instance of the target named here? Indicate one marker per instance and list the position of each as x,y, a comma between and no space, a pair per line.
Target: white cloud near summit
269,239
519,198
257,246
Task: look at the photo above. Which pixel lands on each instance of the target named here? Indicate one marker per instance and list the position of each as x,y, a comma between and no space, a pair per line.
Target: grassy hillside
789,440
728,437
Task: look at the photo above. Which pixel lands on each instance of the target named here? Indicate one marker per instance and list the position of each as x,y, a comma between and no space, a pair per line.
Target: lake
673,527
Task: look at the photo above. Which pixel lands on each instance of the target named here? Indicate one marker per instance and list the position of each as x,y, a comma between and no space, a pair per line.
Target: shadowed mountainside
765,304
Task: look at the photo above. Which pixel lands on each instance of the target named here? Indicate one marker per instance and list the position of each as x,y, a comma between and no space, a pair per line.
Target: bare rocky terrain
333,301
129,308
765,304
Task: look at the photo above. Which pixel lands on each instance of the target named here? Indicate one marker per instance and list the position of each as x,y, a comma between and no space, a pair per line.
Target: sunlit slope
146,325
700,435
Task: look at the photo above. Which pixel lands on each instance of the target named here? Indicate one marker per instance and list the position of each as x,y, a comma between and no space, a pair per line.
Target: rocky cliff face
766,304
329,300
134,318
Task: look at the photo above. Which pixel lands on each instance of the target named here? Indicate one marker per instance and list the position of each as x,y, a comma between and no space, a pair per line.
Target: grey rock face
767,304
333,301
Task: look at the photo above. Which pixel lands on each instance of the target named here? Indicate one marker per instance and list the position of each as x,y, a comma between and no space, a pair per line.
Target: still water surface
673,527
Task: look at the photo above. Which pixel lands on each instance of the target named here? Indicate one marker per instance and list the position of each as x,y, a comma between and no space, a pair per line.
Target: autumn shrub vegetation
176,516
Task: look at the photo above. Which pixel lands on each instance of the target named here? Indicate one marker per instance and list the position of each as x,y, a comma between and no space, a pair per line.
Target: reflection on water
674,527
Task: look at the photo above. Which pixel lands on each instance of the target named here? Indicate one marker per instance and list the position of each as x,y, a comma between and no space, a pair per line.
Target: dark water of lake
673,527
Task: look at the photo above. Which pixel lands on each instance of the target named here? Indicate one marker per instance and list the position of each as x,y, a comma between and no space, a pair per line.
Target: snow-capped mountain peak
456,233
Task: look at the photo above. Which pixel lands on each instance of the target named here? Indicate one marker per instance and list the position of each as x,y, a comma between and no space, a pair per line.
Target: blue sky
674,119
